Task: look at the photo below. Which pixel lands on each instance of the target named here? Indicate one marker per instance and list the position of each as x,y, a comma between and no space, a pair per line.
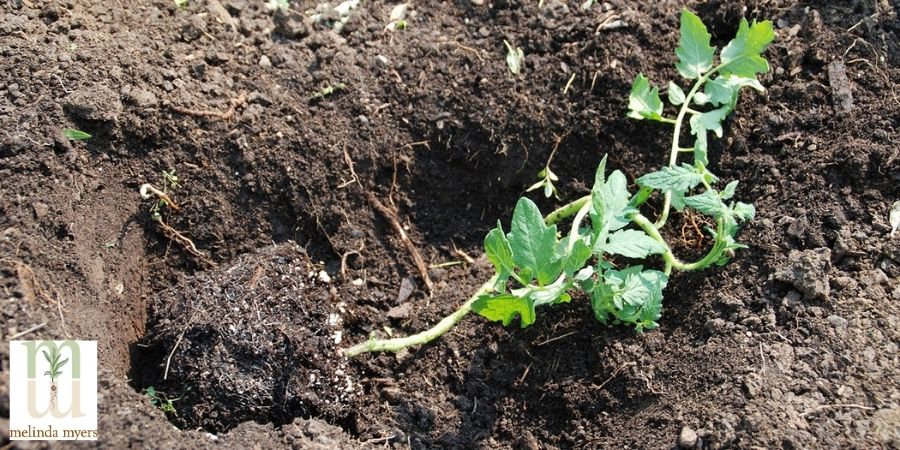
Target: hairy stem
396,344
566,210
676,148
671,260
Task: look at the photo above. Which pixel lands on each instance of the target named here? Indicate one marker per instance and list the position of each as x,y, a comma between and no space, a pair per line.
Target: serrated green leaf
533,243
504,308
744,211
710,120
610,205
672,178
75,135
742,56
676,94
633,244
724,90
708,203
729,190
695,55
499,252
643,101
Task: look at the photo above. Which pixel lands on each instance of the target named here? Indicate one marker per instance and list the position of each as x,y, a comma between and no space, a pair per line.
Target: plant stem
676,148
671,260
566,210
396,344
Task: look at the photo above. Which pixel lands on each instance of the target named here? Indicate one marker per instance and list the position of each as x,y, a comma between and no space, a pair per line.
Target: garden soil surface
794,344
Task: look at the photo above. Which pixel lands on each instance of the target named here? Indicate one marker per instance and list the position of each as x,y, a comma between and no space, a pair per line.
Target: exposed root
185,242
391,217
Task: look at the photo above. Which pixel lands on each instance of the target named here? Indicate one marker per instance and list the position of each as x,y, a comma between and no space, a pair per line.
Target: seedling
546,176
161,400
75,135
608,248
55,371
515,58
327,91
181,4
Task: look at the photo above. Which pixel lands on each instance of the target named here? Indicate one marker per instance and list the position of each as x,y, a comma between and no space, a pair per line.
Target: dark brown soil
792,345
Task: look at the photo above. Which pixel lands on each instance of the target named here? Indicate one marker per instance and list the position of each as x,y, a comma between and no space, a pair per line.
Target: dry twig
391,217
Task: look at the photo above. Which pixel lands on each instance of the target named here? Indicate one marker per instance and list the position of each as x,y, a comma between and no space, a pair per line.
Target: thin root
391,217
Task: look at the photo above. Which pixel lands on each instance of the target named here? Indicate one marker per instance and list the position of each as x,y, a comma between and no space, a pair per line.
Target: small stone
264,61
477,2
687,439
407,287
140,98
324,277
290,25
40,210
837,321
808,271
400,312
259,97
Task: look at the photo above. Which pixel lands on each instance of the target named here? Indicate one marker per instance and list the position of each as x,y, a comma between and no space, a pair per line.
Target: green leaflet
533,243
729,190
633,244
708,203
744,211
742,56
695,55
700,148
632,296
499,252
676,94
643,101
75,135
672,178
710,120
724,90
576,258
504,308
610,203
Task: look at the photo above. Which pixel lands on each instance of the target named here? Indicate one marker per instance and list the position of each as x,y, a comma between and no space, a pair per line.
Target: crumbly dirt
792,345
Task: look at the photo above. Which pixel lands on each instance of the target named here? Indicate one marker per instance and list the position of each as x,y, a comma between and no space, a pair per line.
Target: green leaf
643,101
47,357
695,55
47,373
499,253
515,58
633,244
577,257
700,148
708,203
742,56
724,90
62,363
729,190
744,211
678,201
676,95
504,308
710,120
533,243
672,178
75,135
